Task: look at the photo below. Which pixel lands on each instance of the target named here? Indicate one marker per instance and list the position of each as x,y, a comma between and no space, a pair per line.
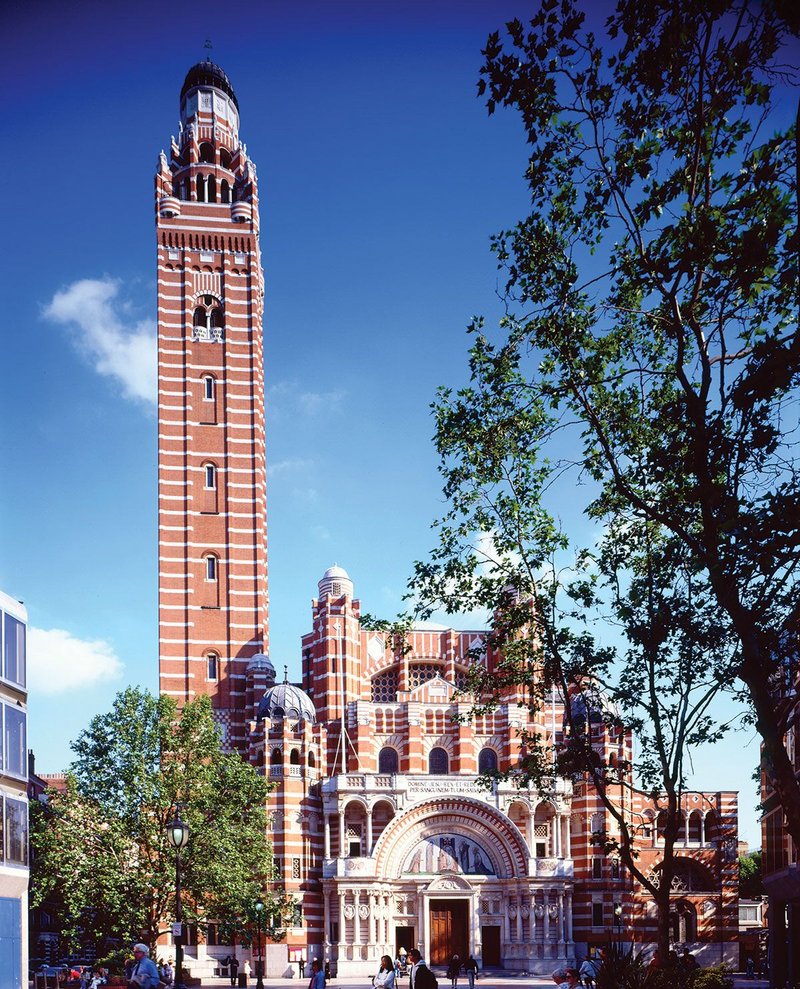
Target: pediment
449,883
435,690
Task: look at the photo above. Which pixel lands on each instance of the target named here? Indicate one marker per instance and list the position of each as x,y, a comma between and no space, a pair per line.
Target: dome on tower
261,663
284,700
207,73
336,582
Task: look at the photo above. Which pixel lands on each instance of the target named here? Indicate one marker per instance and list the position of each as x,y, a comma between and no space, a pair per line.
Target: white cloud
289,466
58,662
104,332
284,397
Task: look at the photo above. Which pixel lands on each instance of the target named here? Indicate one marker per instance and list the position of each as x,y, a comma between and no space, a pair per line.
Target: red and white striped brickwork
213,602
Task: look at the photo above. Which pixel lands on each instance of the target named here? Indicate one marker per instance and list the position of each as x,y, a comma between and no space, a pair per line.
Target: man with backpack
421,976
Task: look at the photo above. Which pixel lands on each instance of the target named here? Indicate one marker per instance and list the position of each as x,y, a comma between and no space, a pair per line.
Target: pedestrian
167,974
453,970
687,961
317,980
588,972
247,970
233,968
328,975
384,979
471,968
571,979
421,976
144,974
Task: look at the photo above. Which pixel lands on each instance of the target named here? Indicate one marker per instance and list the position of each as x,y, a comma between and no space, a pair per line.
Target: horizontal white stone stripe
202,642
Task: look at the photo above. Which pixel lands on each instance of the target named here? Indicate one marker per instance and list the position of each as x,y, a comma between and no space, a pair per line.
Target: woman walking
386,975
453,970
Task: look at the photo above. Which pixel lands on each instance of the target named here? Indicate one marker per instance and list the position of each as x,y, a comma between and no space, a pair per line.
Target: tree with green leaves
102,844
644,378
750,885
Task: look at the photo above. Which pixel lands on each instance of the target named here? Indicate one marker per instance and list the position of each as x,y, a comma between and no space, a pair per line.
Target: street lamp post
618,922
178,835
260,962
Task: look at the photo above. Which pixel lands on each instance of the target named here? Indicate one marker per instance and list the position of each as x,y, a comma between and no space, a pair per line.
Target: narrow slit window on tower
213,666
201,189
208,387
210,476
212,189
224,191
211,567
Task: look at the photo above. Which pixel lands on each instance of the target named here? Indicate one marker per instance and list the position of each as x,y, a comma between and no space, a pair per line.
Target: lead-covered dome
208,73
284,700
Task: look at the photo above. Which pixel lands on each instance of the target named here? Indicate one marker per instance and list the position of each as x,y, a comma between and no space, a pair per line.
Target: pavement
488,981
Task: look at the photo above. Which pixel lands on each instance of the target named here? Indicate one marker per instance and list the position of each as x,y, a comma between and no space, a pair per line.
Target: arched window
199,317
201,189
212,666
311,760
275,757
294,758
225,158
216,317
388,760
212,189
211,567
207,152
224,191
683,922
487,761
438,762
210,472
208,387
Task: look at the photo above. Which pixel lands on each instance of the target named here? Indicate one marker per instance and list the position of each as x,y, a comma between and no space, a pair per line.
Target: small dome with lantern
285,700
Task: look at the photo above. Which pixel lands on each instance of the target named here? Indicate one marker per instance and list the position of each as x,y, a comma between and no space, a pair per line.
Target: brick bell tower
212,514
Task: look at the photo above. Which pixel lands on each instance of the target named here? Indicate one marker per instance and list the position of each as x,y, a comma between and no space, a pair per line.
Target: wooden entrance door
448,931
490,938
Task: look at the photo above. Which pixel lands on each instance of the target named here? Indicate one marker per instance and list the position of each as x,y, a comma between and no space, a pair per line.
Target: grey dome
208,74
261,663
284,700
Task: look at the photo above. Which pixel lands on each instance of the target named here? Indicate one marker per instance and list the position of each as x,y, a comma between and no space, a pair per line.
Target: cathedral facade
384,829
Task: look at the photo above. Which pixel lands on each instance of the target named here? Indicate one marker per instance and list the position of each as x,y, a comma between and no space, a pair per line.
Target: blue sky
381,179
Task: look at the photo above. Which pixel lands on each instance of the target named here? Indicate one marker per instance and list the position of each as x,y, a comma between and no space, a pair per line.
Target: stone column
568,837
702,830
546,919
560,923
327,833
342,851
423,937
356,917
519,919
369,831
568,911
342,924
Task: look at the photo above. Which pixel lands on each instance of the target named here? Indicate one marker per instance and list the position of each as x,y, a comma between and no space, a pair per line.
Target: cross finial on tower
285,674
208,46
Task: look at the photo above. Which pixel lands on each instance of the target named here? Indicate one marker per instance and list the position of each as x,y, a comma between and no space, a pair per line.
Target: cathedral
381,828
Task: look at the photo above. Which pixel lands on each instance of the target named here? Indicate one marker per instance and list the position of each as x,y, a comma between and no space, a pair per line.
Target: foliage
750,885
114,961
623,968
102,845
645,374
